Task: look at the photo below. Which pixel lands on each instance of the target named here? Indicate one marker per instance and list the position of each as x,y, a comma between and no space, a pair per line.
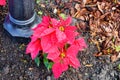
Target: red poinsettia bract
2,2
80,43
34,47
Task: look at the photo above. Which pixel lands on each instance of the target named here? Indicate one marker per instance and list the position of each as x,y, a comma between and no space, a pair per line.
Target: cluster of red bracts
58,39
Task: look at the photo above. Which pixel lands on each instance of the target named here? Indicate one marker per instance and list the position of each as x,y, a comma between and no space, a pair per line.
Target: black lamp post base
16,30
17,39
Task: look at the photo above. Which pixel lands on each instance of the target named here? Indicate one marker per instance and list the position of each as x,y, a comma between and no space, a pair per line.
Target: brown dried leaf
119,32
77,25
72,11
107,51
89,65
77,7
68,5
30,69
118,55
104,15
86,1
82,25
80,13
98,54
97,14
42,5
81,17
77,0
100,6
115,57
97,44
58,1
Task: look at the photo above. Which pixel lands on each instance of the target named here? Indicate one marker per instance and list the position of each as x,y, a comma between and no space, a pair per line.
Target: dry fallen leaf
30,69
98,54
114,58
77,7
89,65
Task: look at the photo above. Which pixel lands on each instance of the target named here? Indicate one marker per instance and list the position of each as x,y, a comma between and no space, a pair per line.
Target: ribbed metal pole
21,18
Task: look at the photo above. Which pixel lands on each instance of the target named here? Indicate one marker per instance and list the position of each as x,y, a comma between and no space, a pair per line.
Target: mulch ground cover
98,21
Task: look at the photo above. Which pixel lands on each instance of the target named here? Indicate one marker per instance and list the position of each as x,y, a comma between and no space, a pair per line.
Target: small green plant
48,64
117,48
38,1
37,61
40,12
119,66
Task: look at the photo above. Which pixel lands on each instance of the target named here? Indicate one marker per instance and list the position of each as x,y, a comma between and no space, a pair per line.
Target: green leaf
66,46
115,1
46,1
45,60
38,1
63,15
37,61
119,66
45,55
117,48
40,12
48,64
113,39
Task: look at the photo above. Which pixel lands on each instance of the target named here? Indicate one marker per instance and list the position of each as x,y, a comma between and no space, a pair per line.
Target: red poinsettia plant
58,42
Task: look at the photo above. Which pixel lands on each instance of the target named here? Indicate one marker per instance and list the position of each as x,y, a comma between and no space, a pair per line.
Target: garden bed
16,65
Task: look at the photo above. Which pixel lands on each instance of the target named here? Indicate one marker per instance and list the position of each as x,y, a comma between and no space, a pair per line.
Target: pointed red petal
53,49
62,43
2,2
64,64
80,43
71,28
53,56
74,62
72,50
54,39
68,21
71,54
46,43
70,36
33,48
38,31
47,31
60,35
57,70
49,43
55,23
46,19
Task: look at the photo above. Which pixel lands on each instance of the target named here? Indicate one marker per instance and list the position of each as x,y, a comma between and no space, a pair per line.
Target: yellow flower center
50,27
62,55
61,28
